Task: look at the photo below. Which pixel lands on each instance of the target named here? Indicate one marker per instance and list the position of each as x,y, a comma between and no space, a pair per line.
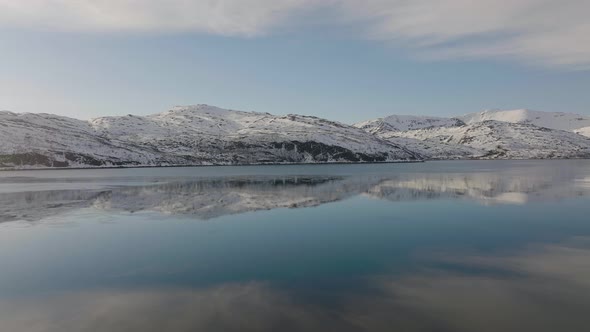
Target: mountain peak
553,120
407,122
197,108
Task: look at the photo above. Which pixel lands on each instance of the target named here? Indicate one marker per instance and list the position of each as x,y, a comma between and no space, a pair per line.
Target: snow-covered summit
553,120
488,134
406,122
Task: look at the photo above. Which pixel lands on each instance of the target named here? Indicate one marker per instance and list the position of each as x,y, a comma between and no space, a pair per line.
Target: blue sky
347,68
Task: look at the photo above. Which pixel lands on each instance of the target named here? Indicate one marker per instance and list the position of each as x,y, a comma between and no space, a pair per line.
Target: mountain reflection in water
206,198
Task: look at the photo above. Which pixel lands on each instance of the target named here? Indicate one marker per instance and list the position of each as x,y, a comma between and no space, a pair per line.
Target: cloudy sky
347,60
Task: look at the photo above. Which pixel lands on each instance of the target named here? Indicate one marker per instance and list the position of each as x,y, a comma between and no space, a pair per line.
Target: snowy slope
553,120
50,140
205,123
504,140
192,135
406,122
432,149
489,134
583,131
207,135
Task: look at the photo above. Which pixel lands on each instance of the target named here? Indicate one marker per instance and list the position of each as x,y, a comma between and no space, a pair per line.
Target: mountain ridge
492,134
191,135
207,135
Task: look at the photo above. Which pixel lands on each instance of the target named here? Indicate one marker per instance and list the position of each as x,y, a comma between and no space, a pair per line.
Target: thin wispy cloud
220,17
543,32
540,32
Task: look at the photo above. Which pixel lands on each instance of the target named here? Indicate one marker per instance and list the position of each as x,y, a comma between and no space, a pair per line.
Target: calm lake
436,246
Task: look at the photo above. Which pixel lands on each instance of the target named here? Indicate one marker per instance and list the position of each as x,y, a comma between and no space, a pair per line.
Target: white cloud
223,17
546,32
542,32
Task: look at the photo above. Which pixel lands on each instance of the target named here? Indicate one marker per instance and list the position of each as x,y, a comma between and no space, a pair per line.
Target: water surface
437,246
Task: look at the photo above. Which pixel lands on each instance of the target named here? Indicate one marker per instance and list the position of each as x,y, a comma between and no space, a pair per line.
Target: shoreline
275,164
212,165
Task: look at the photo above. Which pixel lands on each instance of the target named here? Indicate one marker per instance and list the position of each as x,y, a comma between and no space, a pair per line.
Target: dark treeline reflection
214,197
540,288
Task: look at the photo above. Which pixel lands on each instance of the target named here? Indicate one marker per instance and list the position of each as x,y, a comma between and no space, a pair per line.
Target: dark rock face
28,159
295,151
322,152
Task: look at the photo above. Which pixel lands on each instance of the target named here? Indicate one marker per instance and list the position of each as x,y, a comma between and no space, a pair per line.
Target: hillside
552,120
208,135
192,135
504,140
517,134
406,122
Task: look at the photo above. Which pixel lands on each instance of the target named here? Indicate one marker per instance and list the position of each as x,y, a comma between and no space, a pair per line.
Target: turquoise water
438,246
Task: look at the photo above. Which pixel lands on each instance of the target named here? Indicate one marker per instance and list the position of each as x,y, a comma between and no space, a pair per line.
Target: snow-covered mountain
504,140
207,135
518,134
583,131
552,120
406,122
192,135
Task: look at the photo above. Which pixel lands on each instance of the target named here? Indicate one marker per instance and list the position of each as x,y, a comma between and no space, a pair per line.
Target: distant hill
514,134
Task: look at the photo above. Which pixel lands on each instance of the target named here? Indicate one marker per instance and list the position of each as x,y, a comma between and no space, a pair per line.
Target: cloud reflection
542,288
233,307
